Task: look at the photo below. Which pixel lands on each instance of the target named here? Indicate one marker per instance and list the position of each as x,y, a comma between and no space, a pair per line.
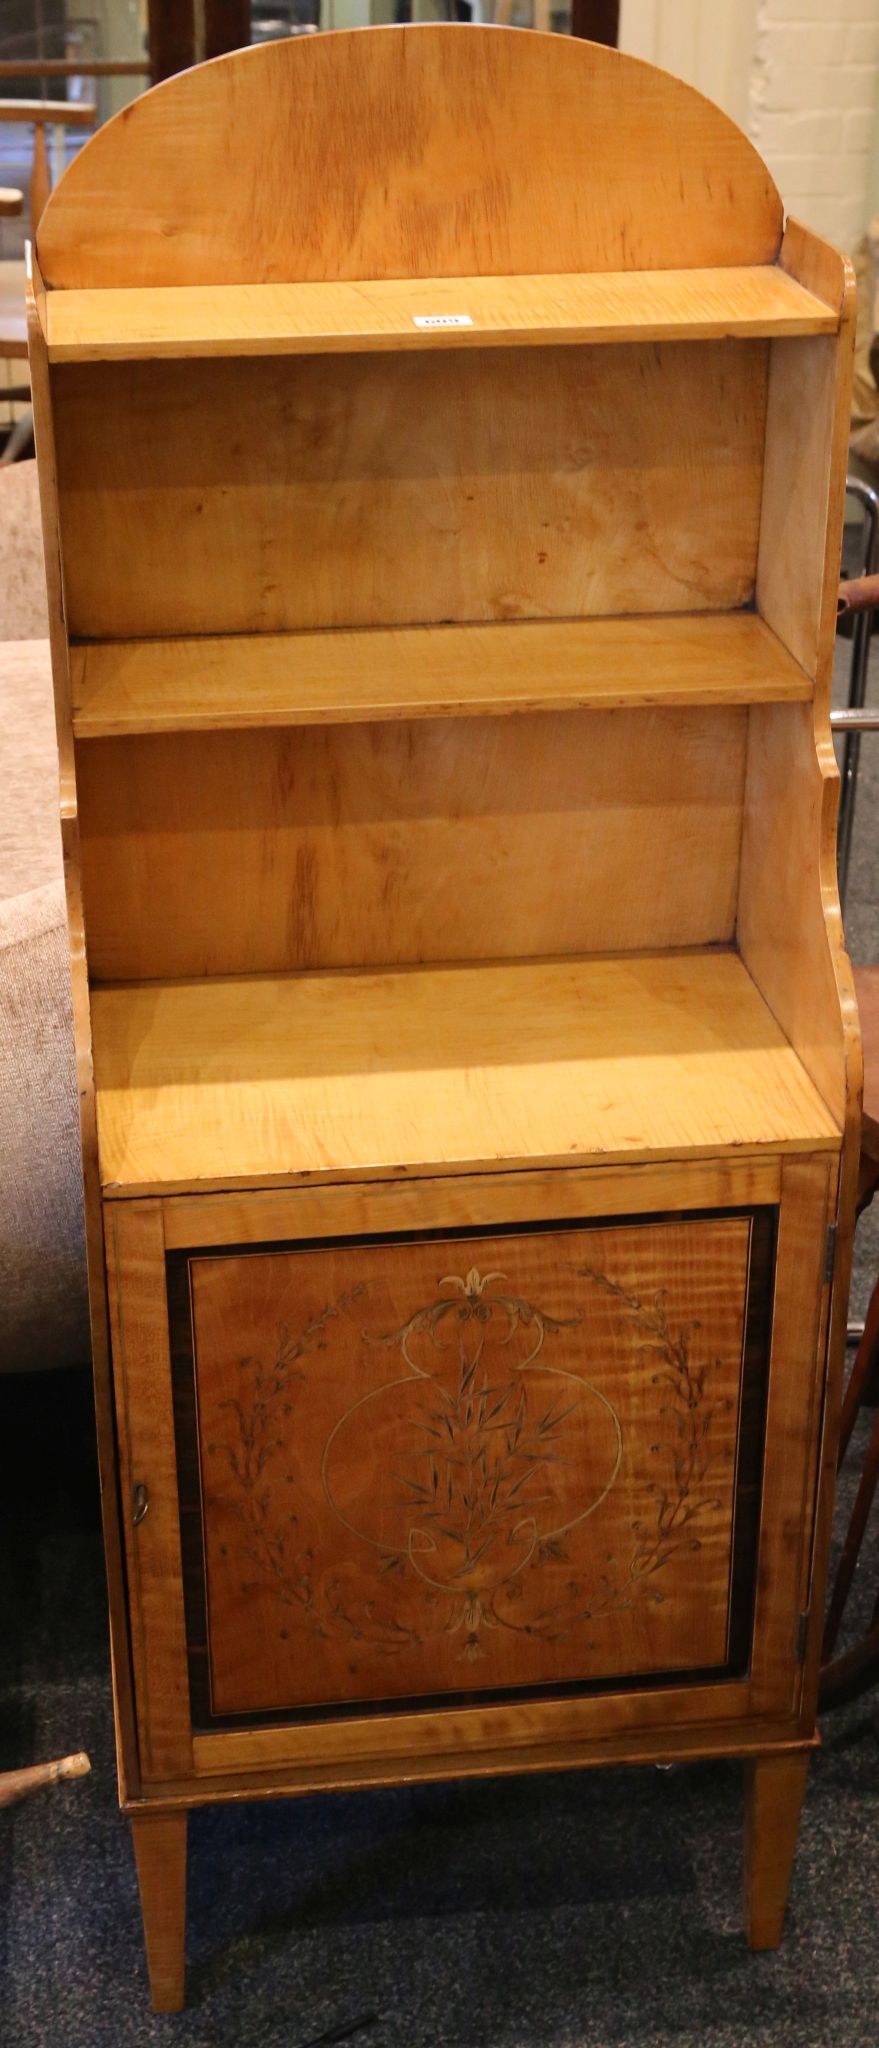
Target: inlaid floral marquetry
460,1465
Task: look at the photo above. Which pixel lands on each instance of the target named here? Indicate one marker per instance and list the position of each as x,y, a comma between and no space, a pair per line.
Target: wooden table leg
774,1787
160,1854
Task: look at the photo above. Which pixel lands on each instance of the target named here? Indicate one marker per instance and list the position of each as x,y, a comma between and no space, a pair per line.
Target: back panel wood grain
268,494
243,852
424,151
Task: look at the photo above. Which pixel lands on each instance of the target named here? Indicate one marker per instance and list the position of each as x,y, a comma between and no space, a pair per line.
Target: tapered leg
160,1854
774,1787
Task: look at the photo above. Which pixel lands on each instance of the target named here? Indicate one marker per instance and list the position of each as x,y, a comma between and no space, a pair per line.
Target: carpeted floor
600,1910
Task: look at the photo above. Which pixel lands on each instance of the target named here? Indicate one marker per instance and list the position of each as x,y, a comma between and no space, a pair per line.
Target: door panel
470,1466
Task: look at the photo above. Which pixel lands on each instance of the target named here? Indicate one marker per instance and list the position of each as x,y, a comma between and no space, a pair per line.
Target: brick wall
813,85
801,76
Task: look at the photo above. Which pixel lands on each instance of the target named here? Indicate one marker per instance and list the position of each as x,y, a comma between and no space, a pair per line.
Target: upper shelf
446,312
342,677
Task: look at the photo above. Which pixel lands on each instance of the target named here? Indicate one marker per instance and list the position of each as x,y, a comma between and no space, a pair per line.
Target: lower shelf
220,682
208,1084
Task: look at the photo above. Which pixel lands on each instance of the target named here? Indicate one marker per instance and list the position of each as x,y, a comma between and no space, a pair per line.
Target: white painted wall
800,76
710,43
814,84
119,25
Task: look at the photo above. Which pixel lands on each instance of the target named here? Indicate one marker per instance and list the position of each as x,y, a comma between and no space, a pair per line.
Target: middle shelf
363,1074
339,677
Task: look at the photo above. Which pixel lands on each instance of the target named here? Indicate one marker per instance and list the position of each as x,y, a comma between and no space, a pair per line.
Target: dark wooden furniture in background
175,43
180,34
226,26
597,21
468,1058
171,37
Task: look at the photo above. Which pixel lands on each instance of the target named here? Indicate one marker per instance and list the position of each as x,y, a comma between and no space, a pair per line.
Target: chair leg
774,1788
851,1548
856,1671
160,1854
858,1377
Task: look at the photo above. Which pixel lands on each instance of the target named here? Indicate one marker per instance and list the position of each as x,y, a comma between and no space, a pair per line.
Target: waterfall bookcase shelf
469,1099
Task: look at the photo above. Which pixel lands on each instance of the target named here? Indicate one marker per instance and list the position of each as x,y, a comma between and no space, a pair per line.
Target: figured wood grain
682,1742
461,1199
208,683
384,1747
619,1725
369,844
499,312
260,1080
147,1459
269,495
385,122
404,1475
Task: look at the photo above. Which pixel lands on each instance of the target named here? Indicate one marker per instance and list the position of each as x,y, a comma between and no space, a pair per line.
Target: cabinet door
473,1464
415,1490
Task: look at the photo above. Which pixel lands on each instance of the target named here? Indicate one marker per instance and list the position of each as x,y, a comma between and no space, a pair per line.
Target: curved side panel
790,927
434,150
790,924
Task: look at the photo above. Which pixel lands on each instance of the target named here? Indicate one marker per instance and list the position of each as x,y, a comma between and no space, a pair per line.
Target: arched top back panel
436,150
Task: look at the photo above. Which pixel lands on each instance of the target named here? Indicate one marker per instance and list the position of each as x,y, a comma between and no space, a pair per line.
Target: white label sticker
441,320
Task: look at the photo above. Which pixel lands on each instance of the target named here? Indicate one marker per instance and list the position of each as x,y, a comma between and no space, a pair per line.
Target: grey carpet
598,1910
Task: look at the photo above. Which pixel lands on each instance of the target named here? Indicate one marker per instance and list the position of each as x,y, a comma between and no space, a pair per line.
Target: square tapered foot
774,1788
160,1854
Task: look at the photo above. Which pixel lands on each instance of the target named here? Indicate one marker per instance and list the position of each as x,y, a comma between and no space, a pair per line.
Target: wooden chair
43,114
13,319
845,1676
13,322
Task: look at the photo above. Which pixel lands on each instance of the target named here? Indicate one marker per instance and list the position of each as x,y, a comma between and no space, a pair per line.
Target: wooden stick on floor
19,1784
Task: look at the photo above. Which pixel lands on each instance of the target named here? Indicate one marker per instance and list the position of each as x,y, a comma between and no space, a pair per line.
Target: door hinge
803,1633
829,1253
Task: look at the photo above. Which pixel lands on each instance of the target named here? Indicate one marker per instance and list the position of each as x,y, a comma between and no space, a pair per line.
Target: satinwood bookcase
442,442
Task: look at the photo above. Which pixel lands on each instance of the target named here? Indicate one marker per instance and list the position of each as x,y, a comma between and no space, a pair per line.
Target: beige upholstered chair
42,1270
